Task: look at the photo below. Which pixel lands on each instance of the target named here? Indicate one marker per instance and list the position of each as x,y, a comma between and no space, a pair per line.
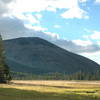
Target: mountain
38,56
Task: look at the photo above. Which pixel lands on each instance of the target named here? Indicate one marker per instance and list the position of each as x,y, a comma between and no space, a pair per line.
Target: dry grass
56,86
77,88
61,84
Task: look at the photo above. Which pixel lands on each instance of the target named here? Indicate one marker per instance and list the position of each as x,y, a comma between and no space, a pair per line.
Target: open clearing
50,90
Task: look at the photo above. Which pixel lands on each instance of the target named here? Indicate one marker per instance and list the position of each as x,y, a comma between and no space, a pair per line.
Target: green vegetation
57,76
38,56
4,69
51,90
14,94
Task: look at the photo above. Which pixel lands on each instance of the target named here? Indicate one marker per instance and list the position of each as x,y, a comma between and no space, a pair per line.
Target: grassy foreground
50,90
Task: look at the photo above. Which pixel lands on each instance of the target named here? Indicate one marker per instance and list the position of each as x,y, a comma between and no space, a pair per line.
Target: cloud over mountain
34,18
14,28
4,6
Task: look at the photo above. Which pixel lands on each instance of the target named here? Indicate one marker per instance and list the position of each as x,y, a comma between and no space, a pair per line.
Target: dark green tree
4,69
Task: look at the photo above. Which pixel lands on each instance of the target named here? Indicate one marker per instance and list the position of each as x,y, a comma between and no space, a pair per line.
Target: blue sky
70,28
71,24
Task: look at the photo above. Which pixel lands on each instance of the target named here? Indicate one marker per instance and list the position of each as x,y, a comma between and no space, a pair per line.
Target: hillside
38,56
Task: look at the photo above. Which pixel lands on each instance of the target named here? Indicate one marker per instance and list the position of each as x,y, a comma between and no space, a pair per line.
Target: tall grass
50,90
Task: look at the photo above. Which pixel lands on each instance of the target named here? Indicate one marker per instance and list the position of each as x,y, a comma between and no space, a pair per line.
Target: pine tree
4,69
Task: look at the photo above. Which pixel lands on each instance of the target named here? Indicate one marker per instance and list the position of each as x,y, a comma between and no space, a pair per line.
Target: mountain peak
36,55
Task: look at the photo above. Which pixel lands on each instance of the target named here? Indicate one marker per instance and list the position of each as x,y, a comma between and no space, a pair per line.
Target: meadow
50,90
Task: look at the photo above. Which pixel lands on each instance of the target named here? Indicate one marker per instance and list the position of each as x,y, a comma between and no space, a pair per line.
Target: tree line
5,75
57,76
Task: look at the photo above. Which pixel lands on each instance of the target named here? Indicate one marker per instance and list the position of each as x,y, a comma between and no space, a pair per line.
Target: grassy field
50,90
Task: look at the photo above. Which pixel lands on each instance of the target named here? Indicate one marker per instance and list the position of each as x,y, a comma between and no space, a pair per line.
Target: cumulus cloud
75,12
76,48
38,16
37,28
4,6
82,42
72,9
31,19
95,35
23,9
13,28
93,56
8,25
97,1
98,42
83,0
57,26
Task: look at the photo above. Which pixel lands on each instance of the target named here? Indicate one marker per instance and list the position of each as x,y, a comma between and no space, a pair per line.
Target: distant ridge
38,56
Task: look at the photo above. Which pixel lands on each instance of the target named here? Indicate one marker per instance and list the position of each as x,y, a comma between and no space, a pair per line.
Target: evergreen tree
4,69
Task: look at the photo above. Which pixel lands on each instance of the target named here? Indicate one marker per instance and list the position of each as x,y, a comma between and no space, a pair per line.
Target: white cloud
83,42
95,35
31,19
61,4
75,12
83,0
71,6
78,46
57,26
51,9
39,16
97,1
98,42
30,5
53,35
4,6
93,56
8,25
87,30
11,28
36,28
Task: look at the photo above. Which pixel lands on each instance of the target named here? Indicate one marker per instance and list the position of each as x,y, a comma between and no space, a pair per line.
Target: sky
71,24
